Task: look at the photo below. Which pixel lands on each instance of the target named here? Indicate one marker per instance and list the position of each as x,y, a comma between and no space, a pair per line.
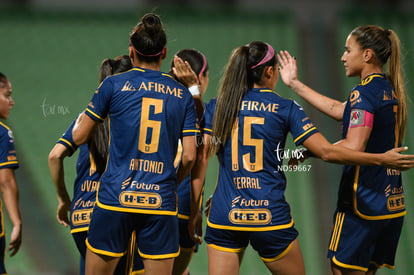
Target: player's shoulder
4,128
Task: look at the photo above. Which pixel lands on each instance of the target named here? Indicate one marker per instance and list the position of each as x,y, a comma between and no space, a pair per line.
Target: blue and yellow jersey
373,192
85,186
249,195
148,113
8,158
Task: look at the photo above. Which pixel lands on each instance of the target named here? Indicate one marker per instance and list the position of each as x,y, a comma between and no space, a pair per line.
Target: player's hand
299,155
182,70
63,212
195,227
287,68
15,240
396,160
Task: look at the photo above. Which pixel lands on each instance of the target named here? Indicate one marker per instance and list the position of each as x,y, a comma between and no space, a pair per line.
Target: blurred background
51,52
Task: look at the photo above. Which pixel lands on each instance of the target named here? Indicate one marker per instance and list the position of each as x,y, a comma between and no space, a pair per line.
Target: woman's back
251,179
148,111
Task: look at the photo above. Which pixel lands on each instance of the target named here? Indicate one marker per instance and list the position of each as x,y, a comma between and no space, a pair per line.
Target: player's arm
10,192
55,160
336,153
360,126
188,157
288,73
83,128
197,184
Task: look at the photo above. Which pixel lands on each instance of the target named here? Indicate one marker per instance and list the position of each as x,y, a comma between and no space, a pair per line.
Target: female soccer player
191,68
245,126
90,166
370,207
8,184
149,112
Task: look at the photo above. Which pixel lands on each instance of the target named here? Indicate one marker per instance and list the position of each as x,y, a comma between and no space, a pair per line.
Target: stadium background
51,52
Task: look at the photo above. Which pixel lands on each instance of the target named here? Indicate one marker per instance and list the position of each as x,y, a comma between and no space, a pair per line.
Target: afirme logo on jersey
81,217
250,216
396,202
140,199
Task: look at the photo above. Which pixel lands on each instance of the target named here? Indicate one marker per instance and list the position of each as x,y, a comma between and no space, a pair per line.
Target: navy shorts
271,245
185,240
364,244
131,260
2,254
109,232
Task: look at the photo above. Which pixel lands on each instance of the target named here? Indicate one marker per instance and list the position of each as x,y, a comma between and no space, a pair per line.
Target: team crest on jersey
354,98
128,87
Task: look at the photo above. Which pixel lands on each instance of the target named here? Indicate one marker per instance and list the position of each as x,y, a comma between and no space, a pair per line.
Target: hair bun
152,23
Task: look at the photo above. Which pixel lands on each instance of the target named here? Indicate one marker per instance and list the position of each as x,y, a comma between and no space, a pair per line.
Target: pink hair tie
204,63
269,55
149,55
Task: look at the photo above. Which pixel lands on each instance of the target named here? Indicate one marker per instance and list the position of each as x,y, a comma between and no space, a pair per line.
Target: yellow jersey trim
138,69
339,221
77,230
355,267
183,217
159,257
369,78
103,252
8,163
304,134
93,113
367,217
4,125
226,249
191,131
170,76
134,210
266,91
278,257
67,142
383,265
239,228
207,130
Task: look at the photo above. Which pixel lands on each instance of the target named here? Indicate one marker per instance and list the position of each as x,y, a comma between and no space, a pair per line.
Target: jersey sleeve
359,98
191,126
206,123
99,105
301,126
8,158
67,139
362,108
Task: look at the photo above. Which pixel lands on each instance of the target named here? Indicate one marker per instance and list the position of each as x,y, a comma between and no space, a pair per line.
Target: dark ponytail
244,69
98,143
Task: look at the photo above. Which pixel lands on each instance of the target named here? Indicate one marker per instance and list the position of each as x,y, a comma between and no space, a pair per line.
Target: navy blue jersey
249,195
373,192
148,113
85,186
8,159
